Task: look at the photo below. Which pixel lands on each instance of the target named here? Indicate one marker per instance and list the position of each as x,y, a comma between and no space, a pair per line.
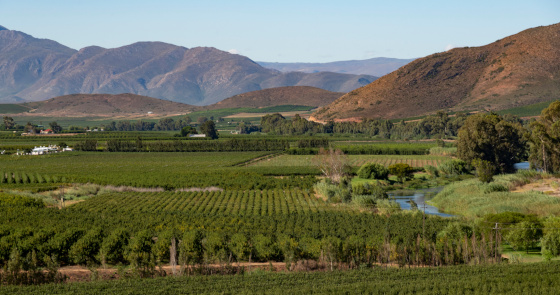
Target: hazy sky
282,31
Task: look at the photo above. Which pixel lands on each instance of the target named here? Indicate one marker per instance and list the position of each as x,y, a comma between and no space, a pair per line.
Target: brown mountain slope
24,60
291,95
515,71
106,105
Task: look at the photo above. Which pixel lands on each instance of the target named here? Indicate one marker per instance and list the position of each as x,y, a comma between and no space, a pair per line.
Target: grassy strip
473,198
12,108
528,110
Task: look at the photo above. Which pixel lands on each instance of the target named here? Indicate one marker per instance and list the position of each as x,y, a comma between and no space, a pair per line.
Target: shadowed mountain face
378,66
515,71
36,69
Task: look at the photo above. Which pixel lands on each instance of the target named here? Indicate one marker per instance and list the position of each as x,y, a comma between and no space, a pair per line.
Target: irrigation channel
417,199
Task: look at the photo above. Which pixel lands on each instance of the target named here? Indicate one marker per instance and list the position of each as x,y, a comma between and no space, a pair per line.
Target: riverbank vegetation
473,198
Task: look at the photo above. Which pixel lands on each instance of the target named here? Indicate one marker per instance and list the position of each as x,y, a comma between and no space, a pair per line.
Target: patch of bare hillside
518,70
294,95
78,105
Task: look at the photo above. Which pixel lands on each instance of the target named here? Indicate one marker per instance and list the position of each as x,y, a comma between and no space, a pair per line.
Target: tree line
440,125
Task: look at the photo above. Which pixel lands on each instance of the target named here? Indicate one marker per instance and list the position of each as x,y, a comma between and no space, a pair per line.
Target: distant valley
132,105
378,66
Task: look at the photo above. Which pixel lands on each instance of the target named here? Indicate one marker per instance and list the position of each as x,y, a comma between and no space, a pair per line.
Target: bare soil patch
549,186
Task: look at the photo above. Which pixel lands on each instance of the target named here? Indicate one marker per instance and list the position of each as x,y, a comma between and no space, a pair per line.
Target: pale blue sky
282,31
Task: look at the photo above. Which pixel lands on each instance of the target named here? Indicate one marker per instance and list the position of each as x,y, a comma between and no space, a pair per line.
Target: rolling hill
291,95
34,69
105,105
518,70
378,66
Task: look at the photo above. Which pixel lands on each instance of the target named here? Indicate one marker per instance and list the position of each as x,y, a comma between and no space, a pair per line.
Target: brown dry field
549,186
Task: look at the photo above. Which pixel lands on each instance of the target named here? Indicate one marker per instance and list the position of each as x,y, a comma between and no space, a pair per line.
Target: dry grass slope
518,70
291,95
102,105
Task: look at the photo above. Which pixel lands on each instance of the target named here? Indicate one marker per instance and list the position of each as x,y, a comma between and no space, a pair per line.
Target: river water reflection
407,199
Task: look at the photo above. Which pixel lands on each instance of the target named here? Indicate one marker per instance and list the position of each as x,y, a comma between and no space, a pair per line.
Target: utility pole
496,243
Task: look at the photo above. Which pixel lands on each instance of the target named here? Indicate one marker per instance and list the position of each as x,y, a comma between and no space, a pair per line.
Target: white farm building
43,150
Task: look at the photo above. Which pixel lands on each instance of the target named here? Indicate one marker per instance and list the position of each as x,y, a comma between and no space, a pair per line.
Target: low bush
373,171
431,171
494,187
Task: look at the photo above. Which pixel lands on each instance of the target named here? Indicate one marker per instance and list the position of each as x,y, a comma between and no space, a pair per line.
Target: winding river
407,199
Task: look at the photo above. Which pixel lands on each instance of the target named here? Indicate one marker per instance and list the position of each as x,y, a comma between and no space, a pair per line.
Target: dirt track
79,273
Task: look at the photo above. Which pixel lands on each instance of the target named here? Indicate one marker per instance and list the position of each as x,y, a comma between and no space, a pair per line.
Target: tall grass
443,151
473,198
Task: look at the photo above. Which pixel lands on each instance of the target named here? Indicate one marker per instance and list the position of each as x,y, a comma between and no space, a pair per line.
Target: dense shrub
484,170
431,171
453,167
401,171
373,171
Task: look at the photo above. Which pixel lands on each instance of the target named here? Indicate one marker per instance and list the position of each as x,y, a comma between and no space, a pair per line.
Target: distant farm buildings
42,150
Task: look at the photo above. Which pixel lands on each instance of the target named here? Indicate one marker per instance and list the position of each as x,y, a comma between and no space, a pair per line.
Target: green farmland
354,160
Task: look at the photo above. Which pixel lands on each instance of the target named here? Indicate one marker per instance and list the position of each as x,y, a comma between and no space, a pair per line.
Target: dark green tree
484,170
544,140
8,122
489,137
30,128
188,130
209,129
401,171
524,235
55,127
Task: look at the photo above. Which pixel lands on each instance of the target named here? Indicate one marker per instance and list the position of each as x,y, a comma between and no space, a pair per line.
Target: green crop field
12,109
260,203
528,110
174,170
354,160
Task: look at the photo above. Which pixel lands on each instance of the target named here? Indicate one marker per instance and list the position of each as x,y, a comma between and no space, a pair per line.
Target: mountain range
33,69
518,70
378,66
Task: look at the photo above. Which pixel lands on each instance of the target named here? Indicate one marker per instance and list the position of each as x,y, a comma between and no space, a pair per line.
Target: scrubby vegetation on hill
518,70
